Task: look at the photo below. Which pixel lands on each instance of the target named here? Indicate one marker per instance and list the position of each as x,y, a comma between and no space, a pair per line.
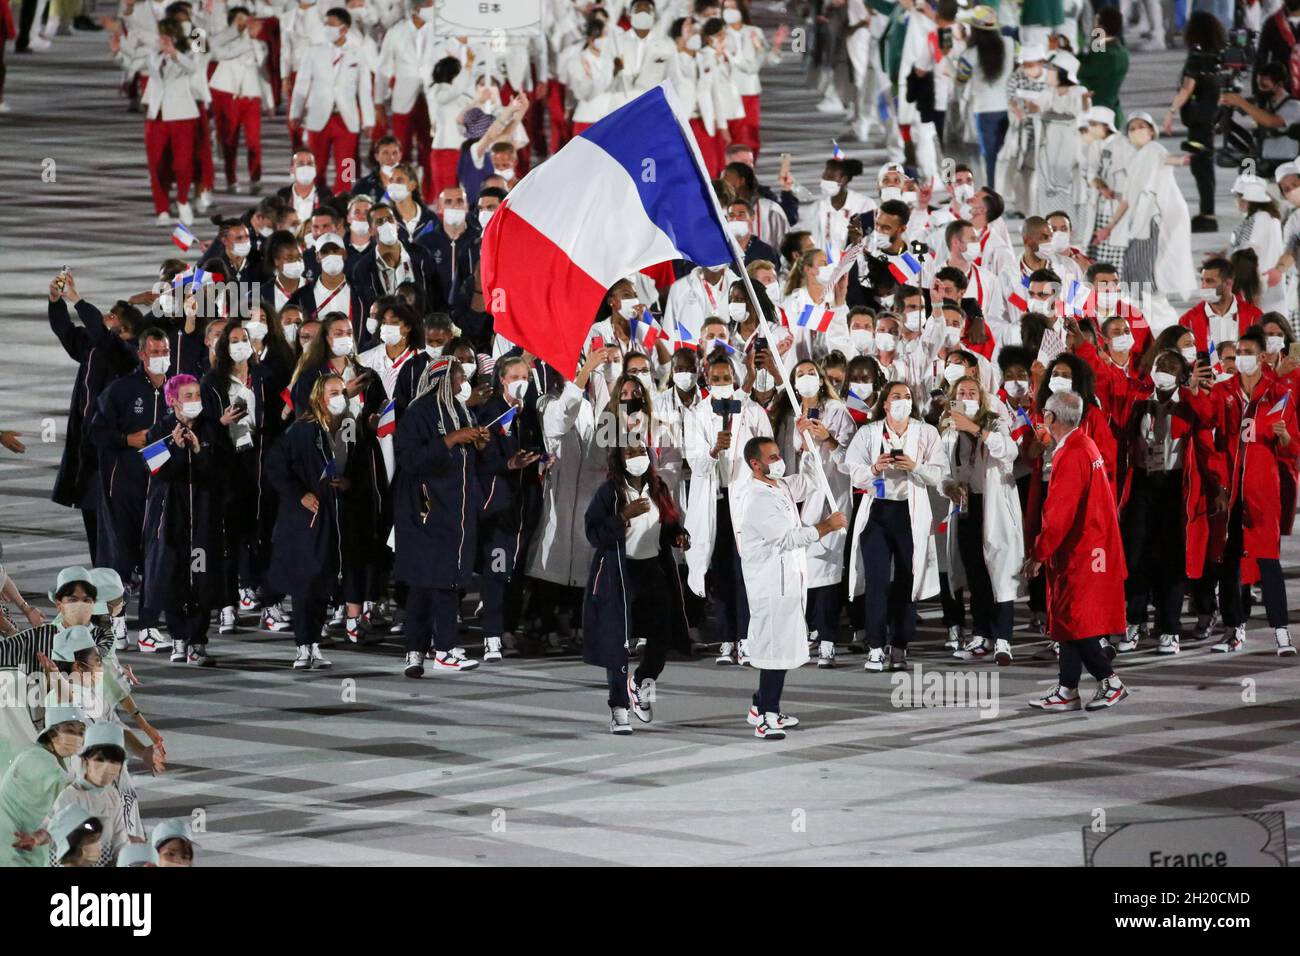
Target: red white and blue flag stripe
905,268
388,419
628,192
817,316
156,455
1019,297
183,237
857,402
646,332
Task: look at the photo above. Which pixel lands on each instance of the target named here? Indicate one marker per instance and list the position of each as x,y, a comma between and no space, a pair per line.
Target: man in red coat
1080,546
1221,315
1255,430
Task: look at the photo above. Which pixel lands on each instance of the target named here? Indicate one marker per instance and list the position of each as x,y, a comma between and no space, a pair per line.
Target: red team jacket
1196,320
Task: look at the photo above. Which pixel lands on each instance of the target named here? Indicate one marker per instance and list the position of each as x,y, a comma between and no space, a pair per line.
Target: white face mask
485,216
737,311
885,342
1189,354
693,42
1208,295
387,170
971,251
722,391
638,466
627,308
1121,343
1040,306
912,320
469,368
878,241
1274,344
864,340
508,173
830,187
738,228
337,404
647,383
387,233
764,381
773,292
241,351
1060,242
332,34
970,407
807,385
265,231
256,330
963,192
861,390
889,193
332,265
731,16
242,249
398,192
685,380
372,323
1107,300
292,269
613,370
159,364
342,345
642,20
166,303
1164,381
951,336
517,389
1059,385
909,197
900,408
453,217
390,334
191,410
463,393
953,373
305,175
1247,364
359,227
1015,387
776,469
824,274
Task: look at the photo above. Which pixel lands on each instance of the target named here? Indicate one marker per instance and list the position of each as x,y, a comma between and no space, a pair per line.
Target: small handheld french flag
646,332
685,340
836,152
724,345
1076,297
1274,414
506,419
1022,425
821,322
1020,297
388,419
183,237
156,455
905,268
856,401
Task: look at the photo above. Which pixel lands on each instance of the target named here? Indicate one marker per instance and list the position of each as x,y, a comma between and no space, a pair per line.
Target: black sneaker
1205,224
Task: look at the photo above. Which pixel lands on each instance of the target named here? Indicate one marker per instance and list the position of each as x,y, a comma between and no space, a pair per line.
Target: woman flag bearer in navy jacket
436,502
773,556
634,589
182,546
511,502
309,468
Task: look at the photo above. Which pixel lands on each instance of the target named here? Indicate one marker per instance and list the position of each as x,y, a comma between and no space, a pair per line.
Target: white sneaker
204,202
38,42
491,649
782,720
453,660
163,219
830,103
121,636
976,649
954,638
414,666
247,600
726,653
1132,635
302,658
1058,699
274,619
875,659
317,659
742,653
354,631
151,641
1232,642
184,213
179,652
1168,644
1284,646
619,723
641,699
226,624
1002,651
337,618
1109,693
198,656
826,654
769,728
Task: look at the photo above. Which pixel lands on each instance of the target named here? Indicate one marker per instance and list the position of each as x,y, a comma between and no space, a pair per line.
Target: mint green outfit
28,790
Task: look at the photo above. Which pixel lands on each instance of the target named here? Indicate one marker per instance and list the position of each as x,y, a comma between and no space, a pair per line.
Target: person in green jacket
34,780
1103,64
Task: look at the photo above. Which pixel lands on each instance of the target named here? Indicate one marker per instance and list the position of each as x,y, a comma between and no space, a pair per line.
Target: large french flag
627,193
